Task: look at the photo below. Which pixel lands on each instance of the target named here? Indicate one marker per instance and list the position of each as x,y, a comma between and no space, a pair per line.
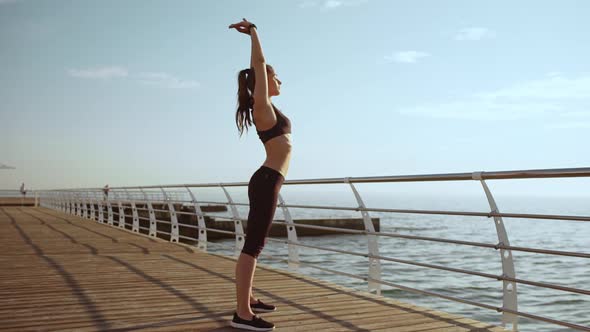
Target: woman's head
246,84
274,84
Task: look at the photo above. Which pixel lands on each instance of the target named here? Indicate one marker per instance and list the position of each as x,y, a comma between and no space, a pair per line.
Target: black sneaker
256,324
262,307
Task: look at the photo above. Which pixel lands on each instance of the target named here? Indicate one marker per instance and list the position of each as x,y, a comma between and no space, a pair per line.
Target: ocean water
534,233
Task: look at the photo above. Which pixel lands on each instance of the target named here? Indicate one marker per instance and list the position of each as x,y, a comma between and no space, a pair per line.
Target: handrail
496,175
437,212
8,193
93,203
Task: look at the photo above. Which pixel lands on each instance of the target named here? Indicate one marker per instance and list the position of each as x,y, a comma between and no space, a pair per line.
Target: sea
563,235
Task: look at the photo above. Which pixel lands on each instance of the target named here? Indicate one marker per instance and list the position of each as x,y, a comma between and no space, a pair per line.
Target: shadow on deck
61,272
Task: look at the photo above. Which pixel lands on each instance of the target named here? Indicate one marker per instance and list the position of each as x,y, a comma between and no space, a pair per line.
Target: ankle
245,315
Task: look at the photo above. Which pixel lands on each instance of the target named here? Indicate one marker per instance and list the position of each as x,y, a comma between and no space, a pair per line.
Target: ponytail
245,101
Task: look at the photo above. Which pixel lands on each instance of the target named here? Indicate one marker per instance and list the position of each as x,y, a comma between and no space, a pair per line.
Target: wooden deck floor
60,272
17,201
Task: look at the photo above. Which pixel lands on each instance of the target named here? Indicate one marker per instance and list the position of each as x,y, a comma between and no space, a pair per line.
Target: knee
253,253
253,249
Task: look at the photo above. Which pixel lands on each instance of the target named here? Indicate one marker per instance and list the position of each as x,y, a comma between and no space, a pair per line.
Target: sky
144,92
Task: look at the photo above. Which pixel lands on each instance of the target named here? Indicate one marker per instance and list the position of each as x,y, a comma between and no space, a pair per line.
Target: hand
243,26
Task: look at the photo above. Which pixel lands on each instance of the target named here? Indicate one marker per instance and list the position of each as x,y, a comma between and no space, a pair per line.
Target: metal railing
10,193
122,202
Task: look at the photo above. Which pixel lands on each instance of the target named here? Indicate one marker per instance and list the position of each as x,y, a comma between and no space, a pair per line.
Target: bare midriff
278,153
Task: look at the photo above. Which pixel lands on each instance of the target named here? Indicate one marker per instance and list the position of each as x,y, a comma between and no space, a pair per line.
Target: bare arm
259,65
264,114
263,111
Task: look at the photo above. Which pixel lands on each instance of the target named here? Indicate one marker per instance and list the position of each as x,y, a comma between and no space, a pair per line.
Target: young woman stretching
256,86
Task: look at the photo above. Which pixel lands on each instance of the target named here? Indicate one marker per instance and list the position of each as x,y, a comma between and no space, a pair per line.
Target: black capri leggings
263,193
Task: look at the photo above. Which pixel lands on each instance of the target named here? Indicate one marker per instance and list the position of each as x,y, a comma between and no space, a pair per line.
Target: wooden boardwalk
61,272
17,201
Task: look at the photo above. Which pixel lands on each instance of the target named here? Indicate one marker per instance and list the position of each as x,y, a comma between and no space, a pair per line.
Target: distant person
256,86
23,191
106,192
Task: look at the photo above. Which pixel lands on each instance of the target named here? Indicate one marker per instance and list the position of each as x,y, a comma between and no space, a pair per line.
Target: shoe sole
263,310
249,327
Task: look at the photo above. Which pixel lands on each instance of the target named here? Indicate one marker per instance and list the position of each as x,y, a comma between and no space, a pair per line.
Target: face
274,84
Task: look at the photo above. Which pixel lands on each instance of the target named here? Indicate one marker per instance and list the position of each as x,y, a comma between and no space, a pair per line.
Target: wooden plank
69,273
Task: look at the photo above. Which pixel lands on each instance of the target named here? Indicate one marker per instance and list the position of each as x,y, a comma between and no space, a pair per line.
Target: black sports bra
283,126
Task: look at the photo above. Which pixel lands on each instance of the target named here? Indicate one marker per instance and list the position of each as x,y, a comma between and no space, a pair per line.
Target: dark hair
246,82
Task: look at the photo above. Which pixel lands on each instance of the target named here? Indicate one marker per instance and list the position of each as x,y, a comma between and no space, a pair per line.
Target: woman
256,86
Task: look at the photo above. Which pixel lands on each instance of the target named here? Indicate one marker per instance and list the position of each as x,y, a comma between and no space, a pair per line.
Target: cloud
331,4
474,34
554,86
307,4
475,109
103,73
566,98
166,80
406,56
571,125
160,79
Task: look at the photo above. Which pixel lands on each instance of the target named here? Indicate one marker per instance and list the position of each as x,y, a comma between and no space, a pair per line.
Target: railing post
291,236
111,220
202,231
73,203
85,206
135,225
92,210
510,300
153,226
121,210
237,223
173,218
78,204
39,200
372,241
100,209
69,203
71,206
78,209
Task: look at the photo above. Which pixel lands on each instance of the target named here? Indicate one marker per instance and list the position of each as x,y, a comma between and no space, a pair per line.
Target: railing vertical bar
240,236
202,235
509,297
372,243
293,261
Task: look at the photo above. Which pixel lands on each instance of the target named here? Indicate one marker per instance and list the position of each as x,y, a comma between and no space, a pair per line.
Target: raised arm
262,103
264,115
